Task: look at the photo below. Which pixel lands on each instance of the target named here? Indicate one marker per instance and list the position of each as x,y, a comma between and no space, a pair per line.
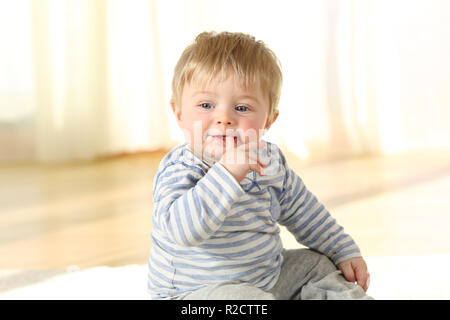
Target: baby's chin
209,154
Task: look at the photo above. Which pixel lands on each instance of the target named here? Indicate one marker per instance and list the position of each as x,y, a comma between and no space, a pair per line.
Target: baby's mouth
223,139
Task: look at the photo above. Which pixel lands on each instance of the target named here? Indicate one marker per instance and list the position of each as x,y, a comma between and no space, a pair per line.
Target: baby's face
210,114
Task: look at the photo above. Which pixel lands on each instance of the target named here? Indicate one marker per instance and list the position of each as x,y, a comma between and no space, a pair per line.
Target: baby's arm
311,223
191,205
313,226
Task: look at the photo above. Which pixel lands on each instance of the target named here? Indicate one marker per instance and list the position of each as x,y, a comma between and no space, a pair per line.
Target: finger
208,141
250,145
230,146
208,148
348,272
361,276
262,166
262,144
255,159
262,163
228,150
247,140
256,150
259,169
229,142
367,282
256,163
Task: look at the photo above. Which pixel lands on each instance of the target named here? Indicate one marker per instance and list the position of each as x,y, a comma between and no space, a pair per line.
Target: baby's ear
176,111
271,120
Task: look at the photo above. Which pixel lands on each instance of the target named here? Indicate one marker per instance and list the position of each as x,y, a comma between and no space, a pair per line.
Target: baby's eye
241,108
206,106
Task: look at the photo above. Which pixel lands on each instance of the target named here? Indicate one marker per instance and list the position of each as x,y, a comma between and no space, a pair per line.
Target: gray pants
305,274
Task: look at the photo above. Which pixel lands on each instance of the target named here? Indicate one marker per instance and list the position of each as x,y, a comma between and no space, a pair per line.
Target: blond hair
221,54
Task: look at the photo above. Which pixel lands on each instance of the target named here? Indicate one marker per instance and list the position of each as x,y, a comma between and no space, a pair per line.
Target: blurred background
85,118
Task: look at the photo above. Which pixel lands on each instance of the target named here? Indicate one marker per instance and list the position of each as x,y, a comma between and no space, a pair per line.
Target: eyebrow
203,92
249,97
245,96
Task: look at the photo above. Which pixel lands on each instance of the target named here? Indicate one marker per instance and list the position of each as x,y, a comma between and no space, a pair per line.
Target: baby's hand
355,270
238,160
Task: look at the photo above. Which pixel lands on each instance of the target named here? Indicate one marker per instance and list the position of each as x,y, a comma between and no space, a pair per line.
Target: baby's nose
226,122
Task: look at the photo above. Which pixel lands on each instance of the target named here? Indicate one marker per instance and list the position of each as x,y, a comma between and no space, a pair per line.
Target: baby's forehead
210,83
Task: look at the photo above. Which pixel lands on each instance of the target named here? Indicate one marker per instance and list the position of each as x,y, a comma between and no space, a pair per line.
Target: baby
219,197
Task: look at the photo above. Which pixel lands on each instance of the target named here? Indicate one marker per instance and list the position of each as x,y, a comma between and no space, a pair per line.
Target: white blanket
415,277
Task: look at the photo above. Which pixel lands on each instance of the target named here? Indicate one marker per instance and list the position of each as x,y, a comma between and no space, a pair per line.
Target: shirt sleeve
311,223
189,204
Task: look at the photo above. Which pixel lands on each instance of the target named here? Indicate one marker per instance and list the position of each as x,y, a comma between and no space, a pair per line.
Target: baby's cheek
253,128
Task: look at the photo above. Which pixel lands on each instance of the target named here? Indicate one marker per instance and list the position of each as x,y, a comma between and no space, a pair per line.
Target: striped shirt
208,228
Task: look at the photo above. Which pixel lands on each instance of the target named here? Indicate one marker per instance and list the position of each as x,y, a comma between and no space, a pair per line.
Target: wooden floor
99,213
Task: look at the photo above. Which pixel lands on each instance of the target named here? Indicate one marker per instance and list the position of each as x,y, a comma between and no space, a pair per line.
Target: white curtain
98,80
85,78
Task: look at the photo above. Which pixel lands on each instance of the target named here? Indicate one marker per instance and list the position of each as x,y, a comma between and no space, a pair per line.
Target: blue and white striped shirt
208,228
